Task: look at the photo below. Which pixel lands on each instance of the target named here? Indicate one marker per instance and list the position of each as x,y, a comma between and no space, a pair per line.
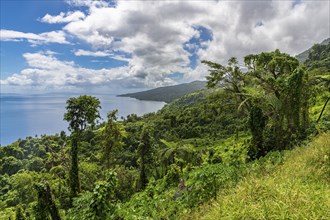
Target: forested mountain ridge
168,93
302,57
205,146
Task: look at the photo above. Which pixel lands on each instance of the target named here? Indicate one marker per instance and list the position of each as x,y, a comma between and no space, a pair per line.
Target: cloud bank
160,38
48,72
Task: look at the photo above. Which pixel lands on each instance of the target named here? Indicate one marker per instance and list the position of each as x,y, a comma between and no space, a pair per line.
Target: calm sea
31,115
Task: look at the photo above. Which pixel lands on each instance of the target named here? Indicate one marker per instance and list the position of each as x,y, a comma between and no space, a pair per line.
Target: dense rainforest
254,144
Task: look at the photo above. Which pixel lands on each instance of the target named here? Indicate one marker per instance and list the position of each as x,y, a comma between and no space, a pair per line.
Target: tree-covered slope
168,93
210,145
302,57
319,57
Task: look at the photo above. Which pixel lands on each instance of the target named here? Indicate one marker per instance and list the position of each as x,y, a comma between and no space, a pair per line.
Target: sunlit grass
298,188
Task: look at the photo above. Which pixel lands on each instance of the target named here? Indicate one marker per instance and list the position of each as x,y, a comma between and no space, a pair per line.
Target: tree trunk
325,104
51,205
74,172
45,203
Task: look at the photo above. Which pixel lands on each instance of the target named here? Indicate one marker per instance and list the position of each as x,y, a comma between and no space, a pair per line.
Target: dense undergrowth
294,184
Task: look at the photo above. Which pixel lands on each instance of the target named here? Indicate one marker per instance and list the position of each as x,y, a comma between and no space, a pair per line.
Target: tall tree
46,204
280,75
145,156
229,77
257,124
270,70
112,137
274,88
81,113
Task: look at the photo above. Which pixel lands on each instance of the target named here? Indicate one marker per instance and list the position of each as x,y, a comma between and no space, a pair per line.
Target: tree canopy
81,112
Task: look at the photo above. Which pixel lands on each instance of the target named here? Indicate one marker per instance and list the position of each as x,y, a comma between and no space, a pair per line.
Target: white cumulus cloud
90,3
154,32
109,54
91,53
46,71
35,39
63,17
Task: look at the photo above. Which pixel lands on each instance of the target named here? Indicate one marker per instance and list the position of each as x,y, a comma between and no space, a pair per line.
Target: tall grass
290,185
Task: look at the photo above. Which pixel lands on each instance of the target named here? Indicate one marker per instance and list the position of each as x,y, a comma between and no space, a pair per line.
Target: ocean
30,115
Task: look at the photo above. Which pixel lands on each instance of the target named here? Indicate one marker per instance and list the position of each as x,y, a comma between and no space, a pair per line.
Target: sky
115,46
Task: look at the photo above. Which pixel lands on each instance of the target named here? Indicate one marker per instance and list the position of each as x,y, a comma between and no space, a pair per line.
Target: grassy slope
297,188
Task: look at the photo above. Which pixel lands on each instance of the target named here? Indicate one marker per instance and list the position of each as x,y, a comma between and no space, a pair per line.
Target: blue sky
79,45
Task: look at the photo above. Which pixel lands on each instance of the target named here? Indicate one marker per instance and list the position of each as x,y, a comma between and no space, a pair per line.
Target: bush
204,183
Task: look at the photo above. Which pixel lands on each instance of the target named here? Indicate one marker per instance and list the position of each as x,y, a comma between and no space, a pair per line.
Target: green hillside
253,145
290,185
168,93
302,57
